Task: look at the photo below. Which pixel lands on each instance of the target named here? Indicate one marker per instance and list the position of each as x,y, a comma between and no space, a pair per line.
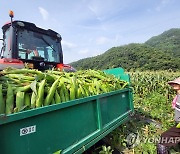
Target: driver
32,49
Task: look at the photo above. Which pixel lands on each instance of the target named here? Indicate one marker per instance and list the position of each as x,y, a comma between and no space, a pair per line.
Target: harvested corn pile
24,89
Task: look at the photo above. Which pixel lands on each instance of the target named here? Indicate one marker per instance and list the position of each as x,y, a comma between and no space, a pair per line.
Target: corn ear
53,101
27,100
23,89
2,103
57,98
79,93
40,97
33,100
20,100
72,93
66,93
51,93
62,95
9,100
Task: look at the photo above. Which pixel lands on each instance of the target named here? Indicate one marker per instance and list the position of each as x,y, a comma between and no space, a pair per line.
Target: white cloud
102,40
44,13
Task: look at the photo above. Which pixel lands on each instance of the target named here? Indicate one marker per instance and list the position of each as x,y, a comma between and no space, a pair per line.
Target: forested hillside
167,41
161,52
132,56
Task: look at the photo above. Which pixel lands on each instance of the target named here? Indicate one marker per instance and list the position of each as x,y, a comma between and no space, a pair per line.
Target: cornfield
145,83
152,101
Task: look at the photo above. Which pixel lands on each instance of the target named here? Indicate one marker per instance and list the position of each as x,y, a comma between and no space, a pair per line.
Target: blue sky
91,27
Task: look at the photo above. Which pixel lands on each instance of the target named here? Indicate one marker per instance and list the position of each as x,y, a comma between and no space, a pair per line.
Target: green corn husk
20,100
62,94
21,71
33,100
66,92
40,98
22,89
2,103
9,100
53,101
51,93
57,98
27,100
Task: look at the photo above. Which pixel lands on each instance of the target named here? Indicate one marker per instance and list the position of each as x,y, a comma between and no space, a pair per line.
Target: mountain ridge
160,52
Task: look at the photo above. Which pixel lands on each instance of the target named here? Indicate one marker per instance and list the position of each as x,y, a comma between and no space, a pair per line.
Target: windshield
32,44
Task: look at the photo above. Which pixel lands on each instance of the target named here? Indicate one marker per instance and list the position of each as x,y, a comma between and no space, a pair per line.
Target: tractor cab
24,42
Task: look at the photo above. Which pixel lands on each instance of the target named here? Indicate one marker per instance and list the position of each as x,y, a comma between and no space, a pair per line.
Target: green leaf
33,87
178,125
39,77
57,152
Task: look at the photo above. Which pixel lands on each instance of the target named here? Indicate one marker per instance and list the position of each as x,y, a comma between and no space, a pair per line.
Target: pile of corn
24,89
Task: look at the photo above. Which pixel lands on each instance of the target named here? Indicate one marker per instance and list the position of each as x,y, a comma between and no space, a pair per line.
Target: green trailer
72,127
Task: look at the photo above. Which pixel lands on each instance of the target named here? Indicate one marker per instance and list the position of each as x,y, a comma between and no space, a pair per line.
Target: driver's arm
35,51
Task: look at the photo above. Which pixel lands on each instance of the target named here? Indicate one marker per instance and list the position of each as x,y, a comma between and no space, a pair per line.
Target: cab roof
32,27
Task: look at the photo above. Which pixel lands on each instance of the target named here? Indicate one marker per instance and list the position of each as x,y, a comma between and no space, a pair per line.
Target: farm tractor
26,44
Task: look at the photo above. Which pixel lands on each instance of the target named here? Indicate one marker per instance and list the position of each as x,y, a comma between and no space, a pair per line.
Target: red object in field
9,62
65,67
